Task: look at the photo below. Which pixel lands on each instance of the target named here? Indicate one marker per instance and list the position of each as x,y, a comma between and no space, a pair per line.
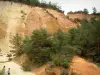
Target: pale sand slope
15,68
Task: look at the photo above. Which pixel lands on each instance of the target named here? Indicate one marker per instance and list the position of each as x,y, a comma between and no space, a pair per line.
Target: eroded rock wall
23,19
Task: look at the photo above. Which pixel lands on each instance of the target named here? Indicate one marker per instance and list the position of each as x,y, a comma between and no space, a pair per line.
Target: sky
75,5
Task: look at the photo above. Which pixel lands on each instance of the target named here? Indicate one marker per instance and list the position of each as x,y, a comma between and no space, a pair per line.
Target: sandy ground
41,70
83,67
79,65
15,68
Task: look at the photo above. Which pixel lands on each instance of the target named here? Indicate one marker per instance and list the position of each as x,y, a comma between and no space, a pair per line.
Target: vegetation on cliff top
85,11
43,4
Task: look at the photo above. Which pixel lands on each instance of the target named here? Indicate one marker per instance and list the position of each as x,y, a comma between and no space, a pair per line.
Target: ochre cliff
82,15
23,19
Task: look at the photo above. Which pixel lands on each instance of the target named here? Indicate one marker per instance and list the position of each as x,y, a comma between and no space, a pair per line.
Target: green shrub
76,20
26,66
17,42
64,72
98,64
9,55
96,57
43,4
1,73
86,46
10,59
85,10
34,2
39,48
51,64
60,61
73,73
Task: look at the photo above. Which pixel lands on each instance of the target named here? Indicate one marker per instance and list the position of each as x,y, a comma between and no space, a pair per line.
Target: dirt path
84,67
15,68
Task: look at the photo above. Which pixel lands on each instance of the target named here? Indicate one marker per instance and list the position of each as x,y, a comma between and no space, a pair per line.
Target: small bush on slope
64,72
60,61
41,47
98,64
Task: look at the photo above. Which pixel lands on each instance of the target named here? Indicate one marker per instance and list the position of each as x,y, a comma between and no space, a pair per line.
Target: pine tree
94,10
86,10
17,43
